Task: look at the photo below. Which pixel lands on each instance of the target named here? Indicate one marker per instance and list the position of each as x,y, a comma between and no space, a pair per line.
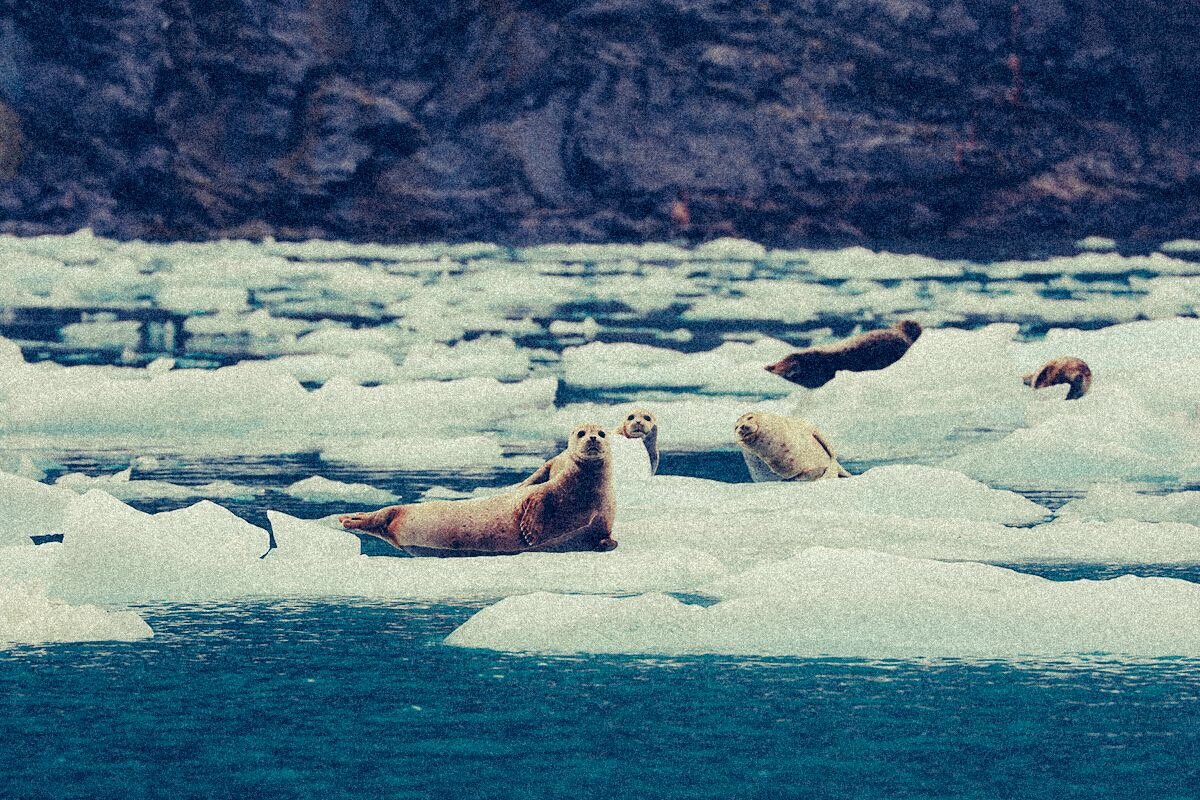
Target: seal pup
817,366
1064,369
642,424
566,505
779,448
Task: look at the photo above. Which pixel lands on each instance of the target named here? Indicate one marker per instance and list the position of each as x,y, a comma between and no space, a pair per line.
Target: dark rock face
536,120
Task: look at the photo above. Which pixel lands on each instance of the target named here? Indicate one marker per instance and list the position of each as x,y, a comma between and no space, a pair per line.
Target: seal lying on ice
817,366
1065,369
779,448
564,507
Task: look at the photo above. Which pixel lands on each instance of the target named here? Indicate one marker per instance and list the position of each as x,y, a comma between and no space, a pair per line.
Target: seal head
642,424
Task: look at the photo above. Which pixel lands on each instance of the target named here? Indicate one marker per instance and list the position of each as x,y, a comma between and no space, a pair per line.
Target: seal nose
772,368
742,430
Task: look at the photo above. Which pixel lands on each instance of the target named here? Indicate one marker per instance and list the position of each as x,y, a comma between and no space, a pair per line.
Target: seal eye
630,418
646,418
579,435
600,433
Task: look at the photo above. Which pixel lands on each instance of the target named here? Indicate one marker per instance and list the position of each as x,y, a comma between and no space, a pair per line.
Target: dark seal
1065,369
817,366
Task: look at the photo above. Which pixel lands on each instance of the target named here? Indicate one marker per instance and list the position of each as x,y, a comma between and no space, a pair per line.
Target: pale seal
1065,369
817,366
566,505
779,448
642,424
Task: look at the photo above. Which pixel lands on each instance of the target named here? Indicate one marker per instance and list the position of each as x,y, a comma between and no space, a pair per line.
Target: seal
566,505
642,424
779,448
1064,369
817,366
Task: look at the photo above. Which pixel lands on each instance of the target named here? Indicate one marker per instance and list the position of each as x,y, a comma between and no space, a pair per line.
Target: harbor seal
817,366
779,448
642,424
566,505
1064,369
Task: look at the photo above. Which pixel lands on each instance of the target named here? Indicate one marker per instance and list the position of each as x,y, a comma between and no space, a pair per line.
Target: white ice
29,616
318,489
856,603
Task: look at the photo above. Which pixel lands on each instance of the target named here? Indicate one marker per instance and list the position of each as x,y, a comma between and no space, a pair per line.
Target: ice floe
123,486
850,603
317,489
29,616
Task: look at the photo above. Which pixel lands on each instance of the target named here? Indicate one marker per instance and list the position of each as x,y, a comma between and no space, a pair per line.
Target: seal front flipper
540,476
834,466
531,519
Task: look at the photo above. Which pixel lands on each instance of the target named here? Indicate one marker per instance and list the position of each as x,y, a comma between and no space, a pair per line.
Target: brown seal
817,366
642,424
1064,369
566,505
779,448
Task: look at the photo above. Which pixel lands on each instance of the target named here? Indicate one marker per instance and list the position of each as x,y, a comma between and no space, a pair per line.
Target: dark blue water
347,699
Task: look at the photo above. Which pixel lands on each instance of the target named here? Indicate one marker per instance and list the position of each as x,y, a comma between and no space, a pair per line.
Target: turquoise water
345,697
351,699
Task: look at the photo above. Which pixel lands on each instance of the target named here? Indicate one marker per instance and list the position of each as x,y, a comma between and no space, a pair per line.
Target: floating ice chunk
10,353
489,356
345,341
729,249
417,453
29,616
1096,243
29,508
422,409
1085,441
322,490
588,328
859,262
102,334
749,537
301,540
1181,246
228,400
366,366
21,464
200,299
258,323
121,486
903,490
1113,502
733,367
849,603
115,553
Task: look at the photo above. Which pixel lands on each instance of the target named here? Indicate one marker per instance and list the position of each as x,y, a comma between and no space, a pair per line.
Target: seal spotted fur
567,507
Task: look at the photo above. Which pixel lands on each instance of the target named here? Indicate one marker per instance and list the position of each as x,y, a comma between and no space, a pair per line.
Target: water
354,699
344,697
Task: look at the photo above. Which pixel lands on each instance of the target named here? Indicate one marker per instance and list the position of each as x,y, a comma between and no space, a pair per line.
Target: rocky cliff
877,121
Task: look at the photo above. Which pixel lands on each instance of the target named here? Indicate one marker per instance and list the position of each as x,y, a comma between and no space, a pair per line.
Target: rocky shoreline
914,124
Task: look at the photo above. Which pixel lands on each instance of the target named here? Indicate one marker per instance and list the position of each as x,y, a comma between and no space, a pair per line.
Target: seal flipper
531,519
540,476
760,472
650,441
833,462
